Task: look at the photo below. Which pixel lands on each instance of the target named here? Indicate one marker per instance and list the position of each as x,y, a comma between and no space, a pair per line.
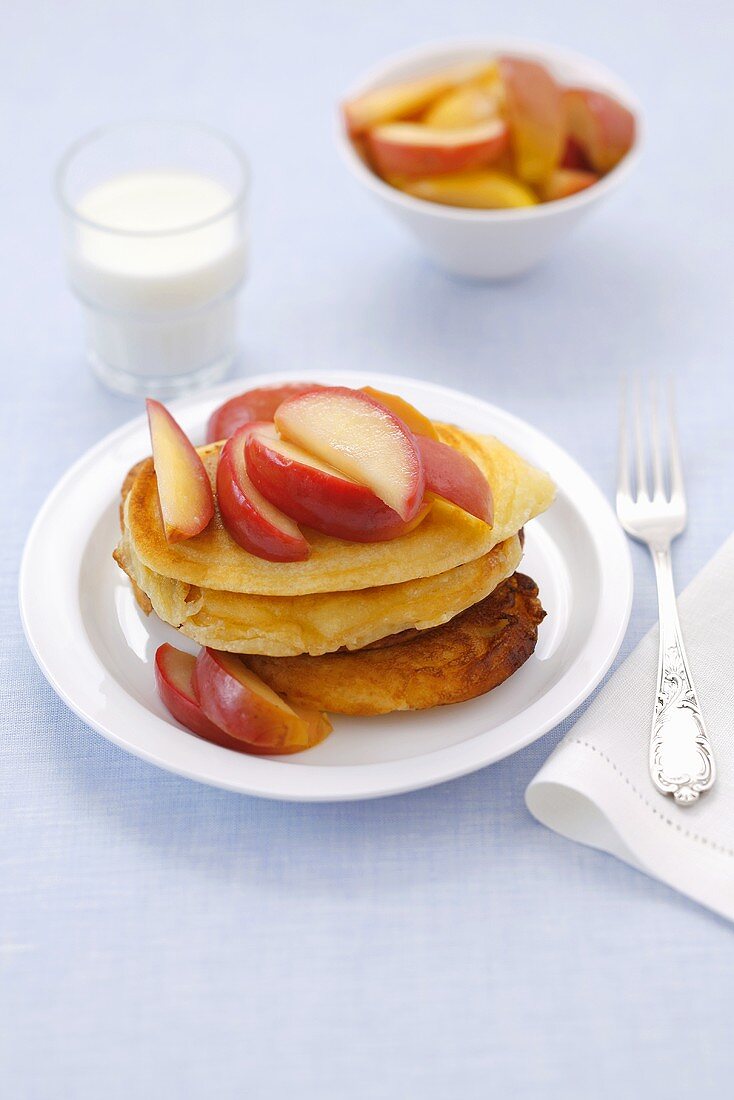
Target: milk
156,258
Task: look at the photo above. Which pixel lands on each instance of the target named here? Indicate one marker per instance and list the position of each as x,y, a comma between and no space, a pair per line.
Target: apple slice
481,189
408,413
318,495
454,477
563,182
414,149
405,99
184,489
174,679
257,404
360,438
469,104
535,111
251,519
466,106
603,128
238,701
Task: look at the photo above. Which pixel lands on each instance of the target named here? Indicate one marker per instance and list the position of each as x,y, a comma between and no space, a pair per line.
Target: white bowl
491,244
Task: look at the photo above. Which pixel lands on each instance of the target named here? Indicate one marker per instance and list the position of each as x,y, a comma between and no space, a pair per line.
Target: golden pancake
321,622
448,537
460,660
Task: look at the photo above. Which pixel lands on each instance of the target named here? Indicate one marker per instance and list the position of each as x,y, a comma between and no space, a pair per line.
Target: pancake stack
434,616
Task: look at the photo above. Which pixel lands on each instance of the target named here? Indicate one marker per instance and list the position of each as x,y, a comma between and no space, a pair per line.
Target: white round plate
96,648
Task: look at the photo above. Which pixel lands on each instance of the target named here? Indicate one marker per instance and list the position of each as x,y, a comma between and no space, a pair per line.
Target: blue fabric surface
158,938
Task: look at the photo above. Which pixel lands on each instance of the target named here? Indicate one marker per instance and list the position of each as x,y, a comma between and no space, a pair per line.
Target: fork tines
663,468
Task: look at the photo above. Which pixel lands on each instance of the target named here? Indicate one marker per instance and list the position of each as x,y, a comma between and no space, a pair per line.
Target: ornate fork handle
681,760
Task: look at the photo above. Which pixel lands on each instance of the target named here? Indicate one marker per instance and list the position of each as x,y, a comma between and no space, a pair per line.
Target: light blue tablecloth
161,939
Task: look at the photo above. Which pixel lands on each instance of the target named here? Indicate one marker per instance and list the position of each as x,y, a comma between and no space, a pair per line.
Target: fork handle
681,760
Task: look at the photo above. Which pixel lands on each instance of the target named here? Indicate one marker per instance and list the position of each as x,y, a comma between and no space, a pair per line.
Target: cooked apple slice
563,182
603,128
251,519
406,99
469,105
413,149
184,490
238,701
359,437
257,404
454,477
481,189
477,101
174,671
535,112
408,413
317,495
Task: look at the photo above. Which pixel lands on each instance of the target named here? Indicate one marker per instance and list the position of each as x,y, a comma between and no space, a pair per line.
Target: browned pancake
142,599
464,658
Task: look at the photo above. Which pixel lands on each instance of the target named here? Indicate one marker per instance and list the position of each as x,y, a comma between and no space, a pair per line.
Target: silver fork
681,759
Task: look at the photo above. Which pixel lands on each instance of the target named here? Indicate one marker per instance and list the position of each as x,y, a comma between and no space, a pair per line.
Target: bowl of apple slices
490,151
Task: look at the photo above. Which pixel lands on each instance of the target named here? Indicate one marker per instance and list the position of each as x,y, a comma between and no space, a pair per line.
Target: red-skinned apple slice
454,477
536,115
414,149
174,671
253,521
360,438
564,182
405,99
257,404
238,701
602,126
184,489
470,103
316,494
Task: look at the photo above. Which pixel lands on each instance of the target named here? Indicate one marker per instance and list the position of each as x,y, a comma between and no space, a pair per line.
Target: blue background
162,939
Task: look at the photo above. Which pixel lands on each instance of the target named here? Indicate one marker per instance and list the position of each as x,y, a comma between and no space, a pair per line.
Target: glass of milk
156,245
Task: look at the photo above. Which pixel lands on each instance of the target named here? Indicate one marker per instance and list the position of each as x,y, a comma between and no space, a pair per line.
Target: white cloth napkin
596,788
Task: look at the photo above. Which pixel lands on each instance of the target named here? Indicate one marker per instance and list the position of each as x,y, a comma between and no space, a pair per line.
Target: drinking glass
155,237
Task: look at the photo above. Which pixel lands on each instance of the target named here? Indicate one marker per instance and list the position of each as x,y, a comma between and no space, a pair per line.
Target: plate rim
370,780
